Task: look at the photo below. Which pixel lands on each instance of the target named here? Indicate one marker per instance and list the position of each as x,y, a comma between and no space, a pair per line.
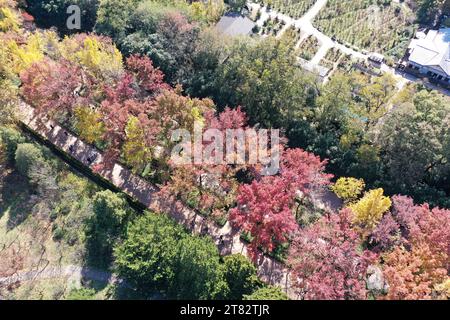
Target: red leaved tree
326,261
265,206
304,170
56,86
208,186
123,89
141,81
264,211
420,261
148,78
116,116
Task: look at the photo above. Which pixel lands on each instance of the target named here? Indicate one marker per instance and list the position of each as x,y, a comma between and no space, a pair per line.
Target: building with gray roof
234,24
429,54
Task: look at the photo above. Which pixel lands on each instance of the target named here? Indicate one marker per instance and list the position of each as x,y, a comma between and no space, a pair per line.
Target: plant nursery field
308,48
272,26
292,8
382,26
333,55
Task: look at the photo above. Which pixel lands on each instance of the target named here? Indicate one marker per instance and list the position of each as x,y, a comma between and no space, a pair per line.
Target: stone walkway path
226,238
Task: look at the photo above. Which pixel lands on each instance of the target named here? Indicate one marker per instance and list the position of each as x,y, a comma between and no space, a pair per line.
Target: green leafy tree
375,95
81,294
429,10
105,226
167,36
210,51
8,89
326,130
27,155
415,144
208,11
197,271
10,138
157,254
113,17
8,102
145,258
333,100
259,76
49,13
240,275
236,5
30,162
267,293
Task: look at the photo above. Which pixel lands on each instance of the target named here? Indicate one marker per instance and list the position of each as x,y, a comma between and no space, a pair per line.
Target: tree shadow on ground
116,289
15,198
98,255
95,278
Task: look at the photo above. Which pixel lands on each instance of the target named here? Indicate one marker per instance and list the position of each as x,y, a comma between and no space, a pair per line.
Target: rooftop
234,24
432,50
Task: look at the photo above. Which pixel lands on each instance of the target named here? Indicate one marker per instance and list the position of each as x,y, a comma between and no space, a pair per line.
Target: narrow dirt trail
74,272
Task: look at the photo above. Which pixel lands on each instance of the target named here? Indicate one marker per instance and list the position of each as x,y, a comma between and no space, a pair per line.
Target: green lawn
28,225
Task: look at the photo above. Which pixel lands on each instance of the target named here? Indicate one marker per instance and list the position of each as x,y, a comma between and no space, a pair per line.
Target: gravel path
73,272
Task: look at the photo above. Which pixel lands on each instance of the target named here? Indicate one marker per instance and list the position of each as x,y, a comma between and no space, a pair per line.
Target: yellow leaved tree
135,151
9,20
444,289
89,124
369,210
23,56
2,153
348,189
209,11
97,55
